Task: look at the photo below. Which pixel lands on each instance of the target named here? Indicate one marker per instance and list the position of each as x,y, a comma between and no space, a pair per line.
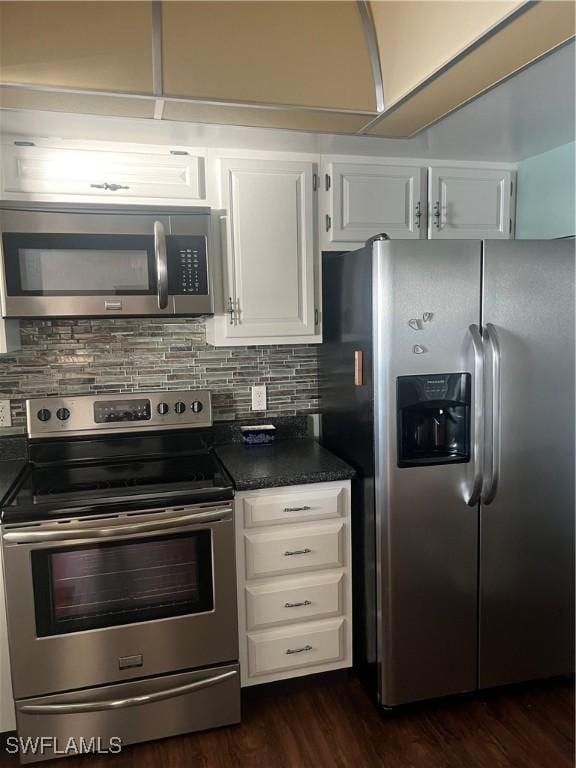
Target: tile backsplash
74,357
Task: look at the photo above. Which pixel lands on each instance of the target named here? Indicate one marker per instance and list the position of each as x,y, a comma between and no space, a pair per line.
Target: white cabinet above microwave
120,173
78,261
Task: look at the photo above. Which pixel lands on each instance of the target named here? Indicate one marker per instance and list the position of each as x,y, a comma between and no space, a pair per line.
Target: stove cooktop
47,491
83,461
193,471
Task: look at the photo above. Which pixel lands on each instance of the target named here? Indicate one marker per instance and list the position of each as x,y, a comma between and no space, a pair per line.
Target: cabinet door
270,267
366,199
470,203
45,171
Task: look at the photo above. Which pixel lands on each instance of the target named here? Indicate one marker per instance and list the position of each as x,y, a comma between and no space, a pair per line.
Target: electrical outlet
5,416
259,397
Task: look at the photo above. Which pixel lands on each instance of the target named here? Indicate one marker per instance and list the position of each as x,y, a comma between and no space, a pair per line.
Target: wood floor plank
330,722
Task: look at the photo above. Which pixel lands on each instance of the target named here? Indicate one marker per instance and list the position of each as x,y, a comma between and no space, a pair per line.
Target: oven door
98,601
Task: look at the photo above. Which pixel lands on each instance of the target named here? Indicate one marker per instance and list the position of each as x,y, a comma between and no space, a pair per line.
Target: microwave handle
161,264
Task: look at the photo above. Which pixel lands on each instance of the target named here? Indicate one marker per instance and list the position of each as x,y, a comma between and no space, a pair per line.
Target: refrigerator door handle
494,444
476,492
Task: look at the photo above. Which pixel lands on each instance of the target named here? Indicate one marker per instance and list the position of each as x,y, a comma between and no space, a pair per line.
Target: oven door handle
134,701
59,532
161,264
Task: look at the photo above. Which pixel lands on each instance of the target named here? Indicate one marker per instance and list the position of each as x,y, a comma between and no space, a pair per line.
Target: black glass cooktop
192,472
80,480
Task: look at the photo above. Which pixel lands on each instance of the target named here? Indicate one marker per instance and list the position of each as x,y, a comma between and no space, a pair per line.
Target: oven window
79,265
104,585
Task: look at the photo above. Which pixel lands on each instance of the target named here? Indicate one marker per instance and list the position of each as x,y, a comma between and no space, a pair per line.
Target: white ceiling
530,113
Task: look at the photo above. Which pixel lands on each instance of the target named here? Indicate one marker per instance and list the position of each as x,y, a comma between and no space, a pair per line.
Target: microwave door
86,275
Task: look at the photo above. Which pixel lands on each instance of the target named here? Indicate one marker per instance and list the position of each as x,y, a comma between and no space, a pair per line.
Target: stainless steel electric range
118,546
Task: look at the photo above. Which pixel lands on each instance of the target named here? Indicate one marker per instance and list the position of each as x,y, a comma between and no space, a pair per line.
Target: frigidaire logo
52,745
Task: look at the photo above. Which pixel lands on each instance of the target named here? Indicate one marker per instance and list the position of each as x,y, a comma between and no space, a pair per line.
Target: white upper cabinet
57,173
269,281
470,203
366,198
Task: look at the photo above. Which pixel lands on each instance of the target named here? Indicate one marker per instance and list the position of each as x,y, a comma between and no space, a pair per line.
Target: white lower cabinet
294,581
296,648
293,505
293,550
293,600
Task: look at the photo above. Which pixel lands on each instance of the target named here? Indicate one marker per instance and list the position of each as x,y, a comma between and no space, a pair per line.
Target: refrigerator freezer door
426,296
527,531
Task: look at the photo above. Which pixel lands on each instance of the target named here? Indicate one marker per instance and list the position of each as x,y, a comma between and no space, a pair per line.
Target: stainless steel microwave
61,260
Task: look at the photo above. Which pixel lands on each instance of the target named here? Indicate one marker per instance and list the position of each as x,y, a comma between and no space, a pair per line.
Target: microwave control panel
187,265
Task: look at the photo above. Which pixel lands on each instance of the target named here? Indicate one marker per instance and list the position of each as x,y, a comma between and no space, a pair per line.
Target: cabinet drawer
308,644
294,506
284,602
294,549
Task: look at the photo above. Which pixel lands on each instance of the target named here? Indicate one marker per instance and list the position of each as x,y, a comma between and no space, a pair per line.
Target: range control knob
163,408
197,406
63,414
44,414
180,407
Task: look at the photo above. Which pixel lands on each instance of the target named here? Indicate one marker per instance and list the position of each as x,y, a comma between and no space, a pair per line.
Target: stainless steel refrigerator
447,380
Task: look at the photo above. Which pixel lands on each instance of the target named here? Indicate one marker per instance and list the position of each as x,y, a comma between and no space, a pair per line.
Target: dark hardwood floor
329,722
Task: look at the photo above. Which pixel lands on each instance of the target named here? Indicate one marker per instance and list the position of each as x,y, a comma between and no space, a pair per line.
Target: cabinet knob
437,214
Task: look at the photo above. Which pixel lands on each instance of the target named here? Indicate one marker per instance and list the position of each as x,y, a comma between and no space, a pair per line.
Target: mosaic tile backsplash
75,357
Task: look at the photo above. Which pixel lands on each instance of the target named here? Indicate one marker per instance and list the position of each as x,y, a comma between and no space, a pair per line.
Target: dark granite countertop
9,471
285,462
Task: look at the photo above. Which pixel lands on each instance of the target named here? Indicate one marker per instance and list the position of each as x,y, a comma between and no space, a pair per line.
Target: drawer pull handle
299,650
297,509
290,552
297,605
